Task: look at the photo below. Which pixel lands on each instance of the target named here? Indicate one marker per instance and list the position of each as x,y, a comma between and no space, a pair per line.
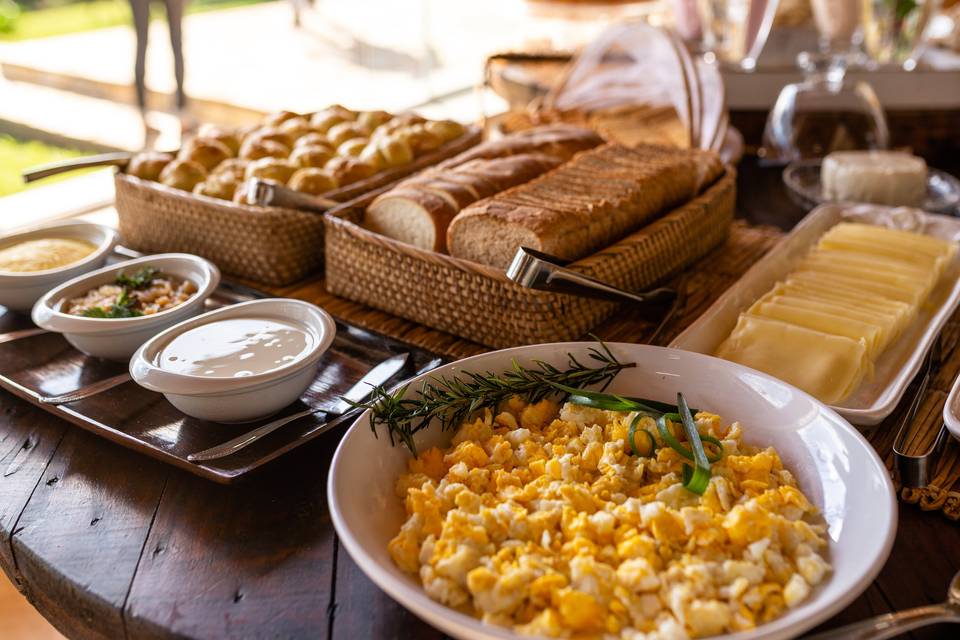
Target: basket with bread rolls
616,172
434,247
197,199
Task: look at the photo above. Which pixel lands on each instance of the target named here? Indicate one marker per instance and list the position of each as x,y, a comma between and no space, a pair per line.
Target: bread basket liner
479,303
272,245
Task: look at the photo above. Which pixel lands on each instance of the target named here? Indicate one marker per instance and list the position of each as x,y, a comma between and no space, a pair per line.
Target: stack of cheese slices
850,298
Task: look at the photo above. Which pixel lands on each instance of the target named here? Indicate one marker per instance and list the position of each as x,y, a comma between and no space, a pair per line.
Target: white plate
874,399
835,466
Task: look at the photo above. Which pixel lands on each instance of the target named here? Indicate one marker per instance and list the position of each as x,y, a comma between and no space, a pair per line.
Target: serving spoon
893,624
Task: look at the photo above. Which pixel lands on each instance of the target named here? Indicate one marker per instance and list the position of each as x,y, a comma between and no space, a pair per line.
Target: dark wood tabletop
108,543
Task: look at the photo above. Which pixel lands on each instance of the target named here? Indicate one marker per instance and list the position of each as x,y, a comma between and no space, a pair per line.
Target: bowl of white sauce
239,363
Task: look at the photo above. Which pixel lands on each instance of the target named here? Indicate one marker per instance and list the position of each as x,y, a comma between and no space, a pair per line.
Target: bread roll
352,148
313,139
235,167
420,140
340,133
221,185
270,169
370,120
279,117
183,174
584,205
273,134
149,164
395,151
323,121
253,149
296,128
227,135
447,129
311,156
206,152
349,170
313,181
371,155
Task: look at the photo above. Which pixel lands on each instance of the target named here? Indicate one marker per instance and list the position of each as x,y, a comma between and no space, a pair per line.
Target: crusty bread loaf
413,215
597,198
418,210
560,140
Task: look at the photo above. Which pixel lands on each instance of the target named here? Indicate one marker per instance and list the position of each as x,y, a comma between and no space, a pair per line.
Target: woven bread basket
272,245
479,303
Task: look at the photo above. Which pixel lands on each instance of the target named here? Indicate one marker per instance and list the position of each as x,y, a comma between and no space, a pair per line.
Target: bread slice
412,215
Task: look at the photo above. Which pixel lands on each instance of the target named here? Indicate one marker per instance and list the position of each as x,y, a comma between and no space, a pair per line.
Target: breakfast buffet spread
518,492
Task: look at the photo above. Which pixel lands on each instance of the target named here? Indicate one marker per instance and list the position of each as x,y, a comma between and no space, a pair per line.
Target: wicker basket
272,245
477,302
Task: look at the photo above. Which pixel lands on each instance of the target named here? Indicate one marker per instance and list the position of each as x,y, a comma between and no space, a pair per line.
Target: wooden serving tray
144,421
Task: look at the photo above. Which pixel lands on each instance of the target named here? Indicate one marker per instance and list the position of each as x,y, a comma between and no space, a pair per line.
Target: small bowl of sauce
239,363
33,262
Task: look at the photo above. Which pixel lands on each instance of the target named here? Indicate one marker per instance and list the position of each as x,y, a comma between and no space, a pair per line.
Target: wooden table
107,543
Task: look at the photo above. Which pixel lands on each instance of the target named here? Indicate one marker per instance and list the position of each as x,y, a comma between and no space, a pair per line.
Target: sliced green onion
698,478
677,446
609,401
631,438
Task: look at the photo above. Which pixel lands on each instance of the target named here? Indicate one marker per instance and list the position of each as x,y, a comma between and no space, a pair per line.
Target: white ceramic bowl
835,466
238,399
19,291
118,338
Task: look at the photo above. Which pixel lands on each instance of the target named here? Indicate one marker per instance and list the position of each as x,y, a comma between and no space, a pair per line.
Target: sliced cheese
826,366
869,332
908,282
878,288
884,236
886,322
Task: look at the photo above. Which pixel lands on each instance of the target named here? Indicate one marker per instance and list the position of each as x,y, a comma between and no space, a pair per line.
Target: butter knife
357,393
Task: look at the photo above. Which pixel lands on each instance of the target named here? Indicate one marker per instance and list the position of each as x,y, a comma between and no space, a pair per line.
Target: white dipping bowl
834,465
118,338
20,290
232,400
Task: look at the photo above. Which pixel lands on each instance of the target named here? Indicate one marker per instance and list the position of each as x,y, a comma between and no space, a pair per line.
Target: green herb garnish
139,280
122,308
452,400
647,450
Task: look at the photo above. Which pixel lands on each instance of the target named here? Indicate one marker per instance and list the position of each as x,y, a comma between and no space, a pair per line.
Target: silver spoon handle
891,624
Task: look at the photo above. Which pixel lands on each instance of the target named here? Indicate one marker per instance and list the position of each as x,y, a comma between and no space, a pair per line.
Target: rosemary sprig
451,401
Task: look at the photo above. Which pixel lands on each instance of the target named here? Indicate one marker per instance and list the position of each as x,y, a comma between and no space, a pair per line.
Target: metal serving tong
536,270
266,193
914,470
118,159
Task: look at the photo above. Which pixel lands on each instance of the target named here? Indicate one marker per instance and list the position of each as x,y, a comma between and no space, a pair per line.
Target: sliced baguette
412,215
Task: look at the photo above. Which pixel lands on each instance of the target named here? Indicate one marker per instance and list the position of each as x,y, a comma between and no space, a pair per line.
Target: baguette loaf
419,210
597,198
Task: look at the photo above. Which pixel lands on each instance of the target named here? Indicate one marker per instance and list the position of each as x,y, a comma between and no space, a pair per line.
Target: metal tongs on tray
267,193
914,469
535,270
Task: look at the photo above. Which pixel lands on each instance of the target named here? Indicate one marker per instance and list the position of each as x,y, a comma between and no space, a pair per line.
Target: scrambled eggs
545,524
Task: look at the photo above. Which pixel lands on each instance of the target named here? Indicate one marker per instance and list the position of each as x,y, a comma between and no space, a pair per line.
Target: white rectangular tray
877,397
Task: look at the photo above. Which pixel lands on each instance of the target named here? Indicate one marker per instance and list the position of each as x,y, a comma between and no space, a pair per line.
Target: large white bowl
835,466
118,338
238,399
19,291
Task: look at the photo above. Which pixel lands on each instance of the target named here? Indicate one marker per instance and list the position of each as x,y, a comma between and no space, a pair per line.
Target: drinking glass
894,29
731,31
